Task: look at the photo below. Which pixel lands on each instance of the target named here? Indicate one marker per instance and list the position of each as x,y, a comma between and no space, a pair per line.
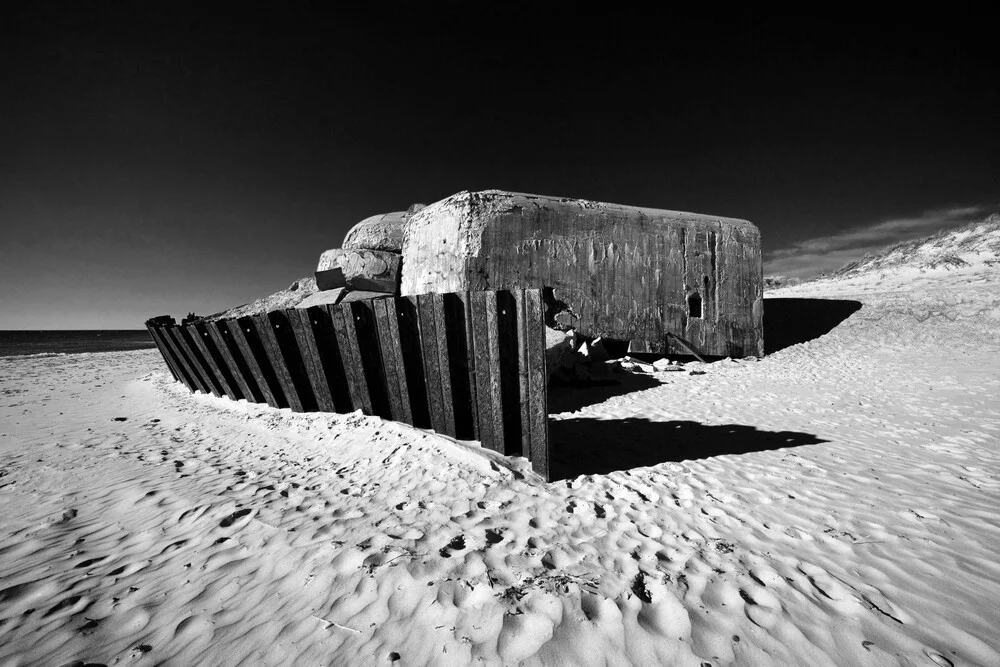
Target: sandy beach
835,503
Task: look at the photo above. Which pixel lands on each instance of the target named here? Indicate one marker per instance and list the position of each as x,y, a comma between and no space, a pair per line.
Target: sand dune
835,503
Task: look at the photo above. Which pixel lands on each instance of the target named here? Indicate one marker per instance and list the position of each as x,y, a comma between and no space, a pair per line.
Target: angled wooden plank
408,324
199,362
186,377
230,385
173,341
246,339
187,359
347,339
265,331
522,372
389,349
301,325
288,346
198,338
481,351
470,363
444,364
162,349
457,356
363,313
218,331
432,362
537,397
161,346
687,346
330,356
510,387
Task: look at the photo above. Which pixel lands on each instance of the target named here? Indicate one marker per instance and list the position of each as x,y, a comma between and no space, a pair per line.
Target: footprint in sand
89,562
232,518
456,544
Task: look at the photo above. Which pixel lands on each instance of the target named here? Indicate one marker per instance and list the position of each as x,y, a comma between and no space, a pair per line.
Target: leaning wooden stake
687,346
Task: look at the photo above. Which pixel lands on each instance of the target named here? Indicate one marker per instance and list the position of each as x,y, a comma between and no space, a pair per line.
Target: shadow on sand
599,446
570,398
788,322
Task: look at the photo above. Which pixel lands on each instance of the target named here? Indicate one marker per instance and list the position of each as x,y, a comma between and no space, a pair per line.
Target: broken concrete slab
339,295
362,295
331,279
327,297
627,273
370,270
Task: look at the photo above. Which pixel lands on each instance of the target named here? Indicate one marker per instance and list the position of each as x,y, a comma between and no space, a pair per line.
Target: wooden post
363,314
330,356
432,368
179,347
507,362
167,357
523,371
444,365
470,359
218,331
262,324
246,339
496,386
200,339
301,325
347,340
408,324
489,436
199,362
220,354
458,359
537,398
392,359
288,346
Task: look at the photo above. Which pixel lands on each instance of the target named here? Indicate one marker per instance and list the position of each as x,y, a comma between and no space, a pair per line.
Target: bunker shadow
788,322
600,446
572,397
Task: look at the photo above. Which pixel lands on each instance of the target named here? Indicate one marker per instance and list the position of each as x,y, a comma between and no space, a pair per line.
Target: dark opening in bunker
694,304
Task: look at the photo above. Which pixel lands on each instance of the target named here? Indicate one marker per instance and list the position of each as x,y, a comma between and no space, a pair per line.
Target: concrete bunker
663,280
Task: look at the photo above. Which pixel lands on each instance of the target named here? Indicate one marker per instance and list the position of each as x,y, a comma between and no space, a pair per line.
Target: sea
18,343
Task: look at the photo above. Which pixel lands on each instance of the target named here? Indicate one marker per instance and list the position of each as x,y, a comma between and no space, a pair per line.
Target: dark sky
176,159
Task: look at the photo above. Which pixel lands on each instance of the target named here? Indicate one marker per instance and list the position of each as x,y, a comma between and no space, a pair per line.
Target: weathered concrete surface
379,232
372,270
627,273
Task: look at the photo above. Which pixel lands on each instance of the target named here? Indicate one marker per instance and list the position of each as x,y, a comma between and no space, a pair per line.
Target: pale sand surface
835,503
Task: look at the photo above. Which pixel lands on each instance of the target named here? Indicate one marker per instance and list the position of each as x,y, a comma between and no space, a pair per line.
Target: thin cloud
827,253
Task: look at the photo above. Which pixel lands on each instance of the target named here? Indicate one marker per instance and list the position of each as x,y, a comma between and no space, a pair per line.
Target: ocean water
16,343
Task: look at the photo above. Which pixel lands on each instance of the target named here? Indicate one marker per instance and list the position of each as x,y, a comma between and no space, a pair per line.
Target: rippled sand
837,502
